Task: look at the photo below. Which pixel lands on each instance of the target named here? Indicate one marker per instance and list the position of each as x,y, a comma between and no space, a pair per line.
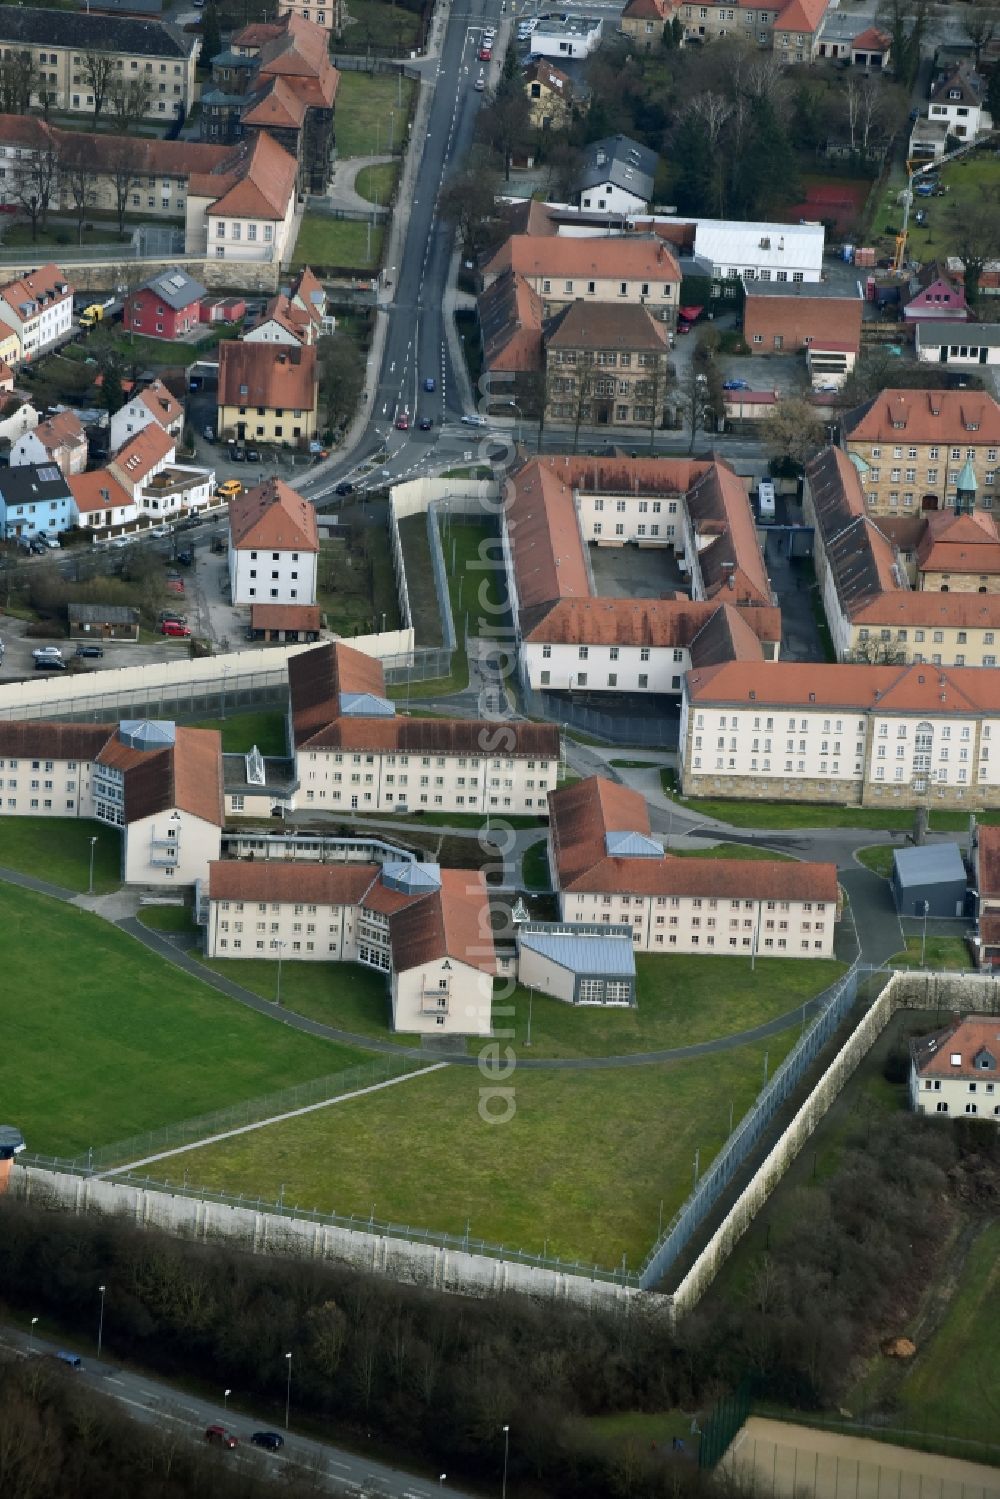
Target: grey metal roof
582,949
11,1141
622,161
412,879
147,733
930,864
366,705
102,614
968,335
176,288
28,26
632,846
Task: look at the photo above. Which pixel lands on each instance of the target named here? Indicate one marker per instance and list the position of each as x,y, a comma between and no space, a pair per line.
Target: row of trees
127,99
441,1375
68,176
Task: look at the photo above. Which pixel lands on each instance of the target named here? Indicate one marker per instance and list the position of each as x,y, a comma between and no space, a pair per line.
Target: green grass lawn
879,859
336,244
103,1039
968,180
377,183
535,867
364,103
731,851
344,995
242,731
172,919
471,820
581,1169
940,952
681,1000
57,849
951,1389
755,814
384,23
356,585
63,232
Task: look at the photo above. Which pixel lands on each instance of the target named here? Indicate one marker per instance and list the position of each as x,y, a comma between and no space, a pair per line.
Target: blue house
35,498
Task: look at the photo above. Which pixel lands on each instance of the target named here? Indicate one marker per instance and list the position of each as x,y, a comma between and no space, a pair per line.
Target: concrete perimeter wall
462,496
427,1265
953,995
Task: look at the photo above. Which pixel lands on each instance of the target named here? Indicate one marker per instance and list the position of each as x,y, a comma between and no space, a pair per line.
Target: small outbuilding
933,874
102,622
579,964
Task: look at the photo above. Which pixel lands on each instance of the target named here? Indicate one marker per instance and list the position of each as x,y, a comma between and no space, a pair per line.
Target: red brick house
786,317
168,306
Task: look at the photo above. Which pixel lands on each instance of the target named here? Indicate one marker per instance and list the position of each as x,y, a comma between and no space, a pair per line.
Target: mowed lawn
682,1000
580,1168
351,244
241,731
103,1039
57,849
952,1388
731,851
346,996
364,103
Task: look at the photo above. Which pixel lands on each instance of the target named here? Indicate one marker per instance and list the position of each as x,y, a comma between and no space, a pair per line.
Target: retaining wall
419,1264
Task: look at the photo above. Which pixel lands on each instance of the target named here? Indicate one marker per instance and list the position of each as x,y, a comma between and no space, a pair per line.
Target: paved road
169,1407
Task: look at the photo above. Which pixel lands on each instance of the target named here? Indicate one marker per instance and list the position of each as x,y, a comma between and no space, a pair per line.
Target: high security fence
833,1007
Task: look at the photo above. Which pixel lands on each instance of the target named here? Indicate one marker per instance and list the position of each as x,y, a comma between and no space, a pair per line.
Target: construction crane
907,194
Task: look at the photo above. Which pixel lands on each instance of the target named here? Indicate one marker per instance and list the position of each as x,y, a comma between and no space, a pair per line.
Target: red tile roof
98,490
285,617
257,181
186,775
872,40
926,416
278,107
295,880
134,462
277,377
953,1052
603,325
959,544
719,509
39,739
273,517
894,689
48,284
802,15
510,317
989,861
453,922
633,257
161,402
63,430
640,622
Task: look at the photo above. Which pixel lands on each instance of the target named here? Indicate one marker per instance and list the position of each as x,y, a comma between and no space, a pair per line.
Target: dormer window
956,1059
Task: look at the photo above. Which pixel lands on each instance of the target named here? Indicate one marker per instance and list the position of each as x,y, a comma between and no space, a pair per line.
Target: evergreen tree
765,176
211,34
693,188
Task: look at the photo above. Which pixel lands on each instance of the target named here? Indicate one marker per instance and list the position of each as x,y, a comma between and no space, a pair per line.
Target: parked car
228,489
209,434
185,558
426,423
49,663
403,422
485,54
220,1436
174,585
49,541
343,487
736,384
474,421
272,1440
430,383
89,650
253,456
174,627
480,84
120,541
237,454
158,531
47,650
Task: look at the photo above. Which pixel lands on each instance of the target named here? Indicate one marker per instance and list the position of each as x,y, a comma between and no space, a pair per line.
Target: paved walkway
342,192
162,945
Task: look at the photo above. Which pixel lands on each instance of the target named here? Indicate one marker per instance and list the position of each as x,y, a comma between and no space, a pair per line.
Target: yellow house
268,393
550,96
10,346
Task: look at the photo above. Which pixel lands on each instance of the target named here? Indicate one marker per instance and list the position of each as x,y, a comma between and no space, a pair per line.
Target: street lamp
277,996
288,1391
506,1451
531,1000
923,938
520,418
100,1323
31,1335
225,1399
90,885
223,715
441,1479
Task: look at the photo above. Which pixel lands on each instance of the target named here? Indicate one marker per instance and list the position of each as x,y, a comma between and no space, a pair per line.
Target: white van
765,499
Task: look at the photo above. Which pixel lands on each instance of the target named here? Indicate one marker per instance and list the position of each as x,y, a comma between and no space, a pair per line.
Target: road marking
111,1380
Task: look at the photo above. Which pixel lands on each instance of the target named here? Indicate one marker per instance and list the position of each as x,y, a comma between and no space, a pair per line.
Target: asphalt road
166,1406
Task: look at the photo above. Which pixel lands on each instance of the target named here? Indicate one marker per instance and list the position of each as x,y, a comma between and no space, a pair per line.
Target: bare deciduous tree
98,68
35,184
129,99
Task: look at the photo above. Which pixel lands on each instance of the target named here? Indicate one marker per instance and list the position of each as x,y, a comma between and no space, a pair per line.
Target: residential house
115,624
606,366
849,735
276,76
273,547
141,482
10,353
958,101
569,639
35,499
60,439
244,209
854,39
427,928
637,269
789,28
954,1071
911,447
158,783
101,502
325,13
168,306
511,316
59,43
550,95
566,36
960,345
873,613
611,871
643,22
285,624
298,316
787,317
871,49
986,893
17,417
38,307
928,139
268,393
616,175
936,295
154,403
354,753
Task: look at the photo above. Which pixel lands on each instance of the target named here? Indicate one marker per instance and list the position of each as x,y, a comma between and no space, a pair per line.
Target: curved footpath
164,948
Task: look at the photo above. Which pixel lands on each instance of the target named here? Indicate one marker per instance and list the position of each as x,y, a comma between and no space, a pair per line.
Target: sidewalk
341,192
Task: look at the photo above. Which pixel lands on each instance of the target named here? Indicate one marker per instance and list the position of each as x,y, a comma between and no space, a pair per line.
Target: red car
175,585
172,627
220,1435
485,54
403,422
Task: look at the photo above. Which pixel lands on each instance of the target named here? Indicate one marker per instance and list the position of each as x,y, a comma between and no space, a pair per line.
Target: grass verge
422,1154
535,872
172,919
349,244
731,851
364,104
244,730
377,183
344,995
879,859
57,849
938,952
102,1038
